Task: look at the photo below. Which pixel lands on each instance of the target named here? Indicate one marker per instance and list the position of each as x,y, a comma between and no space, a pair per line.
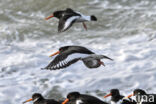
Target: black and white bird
142,97
77,98
69,55
68,17
39,99
117,98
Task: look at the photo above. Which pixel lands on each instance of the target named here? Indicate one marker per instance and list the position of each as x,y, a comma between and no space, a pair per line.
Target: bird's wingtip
111,59
108,58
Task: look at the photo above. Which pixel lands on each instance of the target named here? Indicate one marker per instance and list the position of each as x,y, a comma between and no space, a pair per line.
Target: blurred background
125,31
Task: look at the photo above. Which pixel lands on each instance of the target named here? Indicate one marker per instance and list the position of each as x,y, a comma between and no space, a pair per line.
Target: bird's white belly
83,18
112,102
69,21
80,20
79,101
119,102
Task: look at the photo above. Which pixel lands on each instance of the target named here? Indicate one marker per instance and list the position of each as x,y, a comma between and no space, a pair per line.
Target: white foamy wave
133,67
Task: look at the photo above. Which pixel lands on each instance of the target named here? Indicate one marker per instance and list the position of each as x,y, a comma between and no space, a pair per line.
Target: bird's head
62,49
113,92
137,92
57,14
35,97
72,96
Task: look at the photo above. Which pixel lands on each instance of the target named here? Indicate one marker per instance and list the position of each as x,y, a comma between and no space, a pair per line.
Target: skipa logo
143,98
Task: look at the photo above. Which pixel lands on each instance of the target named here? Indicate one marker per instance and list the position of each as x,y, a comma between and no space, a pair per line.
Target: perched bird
77,98
39,99
142,97
68,55
116,98
68,17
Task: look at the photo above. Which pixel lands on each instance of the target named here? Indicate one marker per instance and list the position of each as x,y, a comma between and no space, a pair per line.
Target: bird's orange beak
54,53
27,100
49,17
65,101
130,95
108,95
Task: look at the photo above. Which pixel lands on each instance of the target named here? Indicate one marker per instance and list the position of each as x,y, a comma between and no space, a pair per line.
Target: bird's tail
93,18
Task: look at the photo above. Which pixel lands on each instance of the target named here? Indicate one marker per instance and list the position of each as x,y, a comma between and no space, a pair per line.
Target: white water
124,32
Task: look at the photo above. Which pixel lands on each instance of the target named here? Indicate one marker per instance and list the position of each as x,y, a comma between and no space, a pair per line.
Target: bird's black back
51,101
87,99
78,49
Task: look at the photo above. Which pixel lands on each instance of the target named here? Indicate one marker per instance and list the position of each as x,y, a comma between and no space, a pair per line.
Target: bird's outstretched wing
66,22
91,100
51,101
59,62
67,19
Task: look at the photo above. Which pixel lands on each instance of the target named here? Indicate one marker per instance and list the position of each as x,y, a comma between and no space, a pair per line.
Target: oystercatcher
68,55
116,98
39,99
68,17
77,98
142,97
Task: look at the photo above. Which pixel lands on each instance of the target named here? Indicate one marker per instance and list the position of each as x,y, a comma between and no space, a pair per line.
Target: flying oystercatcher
68,17
77,98
69,55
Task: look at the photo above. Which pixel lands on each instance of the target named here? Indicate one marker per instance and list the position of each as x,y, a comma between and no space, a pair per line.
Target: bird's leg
102,63
84,25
